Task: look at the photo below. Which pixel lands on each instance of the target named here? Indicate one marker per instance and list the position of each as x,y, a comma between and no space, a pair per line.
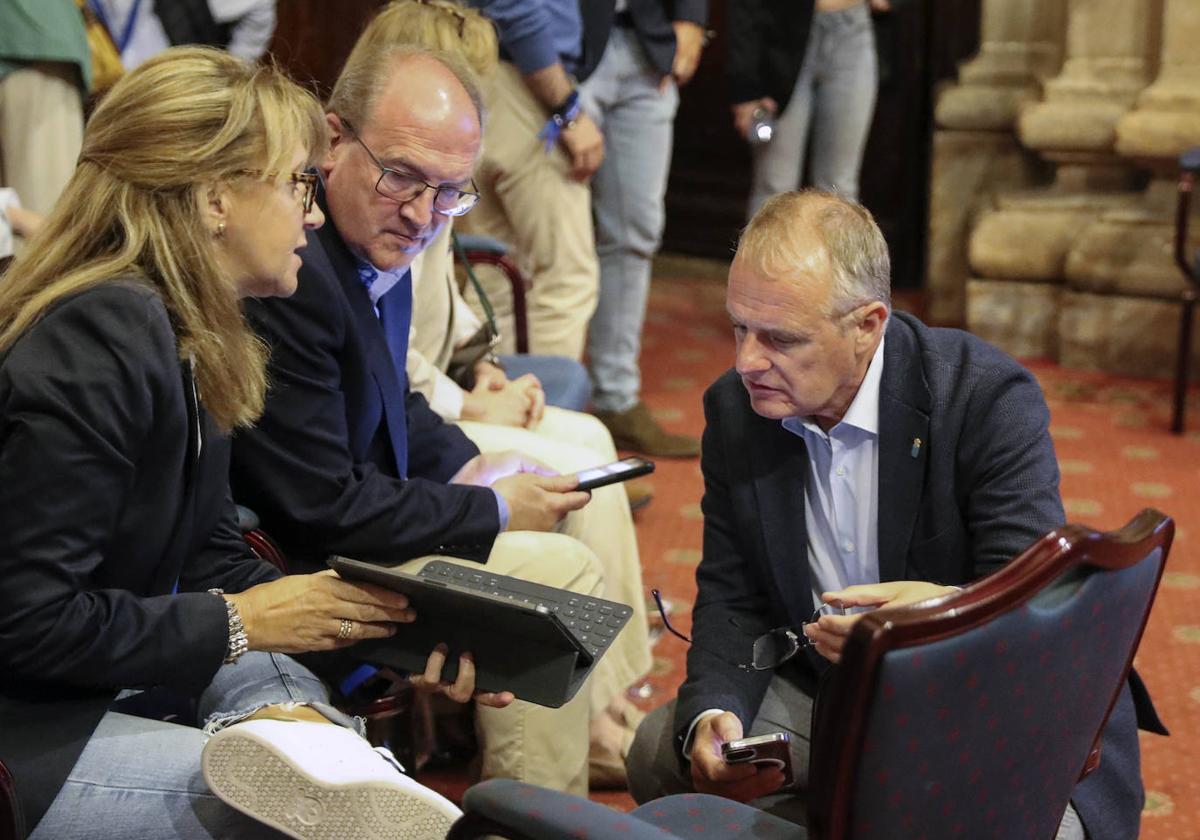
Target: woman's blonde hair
440,25
181,124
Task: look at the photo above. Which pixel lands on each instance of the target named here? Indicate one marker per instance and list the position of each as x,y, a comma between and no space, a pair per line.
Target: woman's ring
346,628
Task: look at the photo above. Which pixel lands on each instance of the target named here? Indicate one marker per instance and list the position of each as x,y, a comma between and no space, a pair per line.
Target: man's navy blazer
320,466
980,487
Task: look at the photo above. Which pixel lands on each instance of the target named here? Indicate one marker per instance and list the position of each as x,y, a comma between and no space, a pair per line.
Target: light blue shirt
381,283
535,34
841,496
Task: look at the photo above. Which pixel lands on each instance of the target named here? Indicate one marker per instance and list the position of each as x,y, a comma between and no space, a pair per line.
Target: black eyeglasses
770,650
402,188
300,181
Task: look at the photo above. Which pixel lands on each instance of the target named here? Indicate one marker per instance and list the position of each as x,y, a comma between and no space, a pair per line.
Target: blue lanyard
123,41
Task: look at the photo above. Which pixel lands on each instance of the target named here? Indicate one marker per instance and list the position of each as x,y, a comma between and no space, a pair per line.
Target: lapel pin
916,450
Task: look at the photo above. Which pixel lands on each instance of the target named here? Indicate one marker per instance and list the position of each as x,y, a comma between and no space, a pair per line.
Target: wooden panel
314,37
710,166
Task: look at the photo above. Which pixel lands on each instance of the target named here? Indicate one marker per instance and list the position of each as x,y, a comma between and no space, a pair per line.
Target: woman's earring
220,229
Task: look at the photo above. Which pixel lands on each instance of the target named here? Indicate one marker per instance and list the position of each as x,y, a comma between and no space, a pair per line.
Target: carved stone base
1019,318
968,166
983,107
1131,250
1071,126
1121,335
1029,234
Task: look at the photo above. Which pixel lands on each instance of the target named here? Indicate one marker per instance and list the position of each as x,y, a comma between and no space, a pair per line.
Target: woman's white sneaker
318,781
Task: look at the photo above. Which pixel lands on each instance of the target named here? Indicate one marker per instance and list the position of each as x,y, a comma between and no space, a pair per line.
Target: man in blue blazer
852,452
347,460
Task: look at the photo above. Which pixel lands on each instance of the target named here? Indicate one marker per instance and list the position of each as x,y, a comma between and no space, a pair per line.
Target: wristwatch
238,643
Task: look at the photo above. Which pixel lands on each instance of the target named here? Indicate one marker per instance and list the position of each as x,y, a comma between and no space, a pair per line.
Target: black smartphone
771,750
622,470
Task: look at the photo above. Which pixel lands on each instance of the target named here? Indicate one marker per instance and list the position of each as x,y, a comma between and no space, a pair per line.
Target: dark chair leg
516,282
1183,362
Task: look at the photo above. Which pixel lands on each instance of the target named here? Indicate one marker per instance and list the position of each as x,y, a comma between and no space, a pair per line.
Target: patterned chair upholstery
975,715
520,811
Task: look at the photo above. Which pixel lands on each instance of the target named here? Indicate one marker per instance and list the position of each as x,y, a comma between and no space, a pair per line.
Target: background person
812,67
652,49
141,29
45,73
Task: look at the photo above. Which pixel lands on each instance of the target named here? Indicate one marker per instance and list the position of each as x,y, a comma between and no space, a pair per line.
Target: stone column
1021,46
975,150
1121,273
1018,252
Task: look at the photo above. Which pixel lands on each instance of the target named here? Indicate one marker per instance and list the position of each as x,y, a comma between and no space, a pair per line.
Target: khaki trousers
530,202
524,741
41,132
570,441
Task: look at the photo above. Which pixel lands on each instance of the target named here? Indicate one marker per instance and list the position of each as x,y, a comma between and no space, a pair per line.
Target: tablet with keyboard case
536,641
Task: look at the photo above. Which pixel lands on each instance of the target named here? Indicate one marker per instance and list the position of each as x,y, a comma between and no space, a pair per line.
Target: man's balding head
808,298
793,232
418,113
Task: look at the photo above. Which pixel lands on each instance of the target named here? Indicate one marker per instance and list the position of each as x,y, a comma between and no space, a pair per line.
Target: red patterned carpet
1116,457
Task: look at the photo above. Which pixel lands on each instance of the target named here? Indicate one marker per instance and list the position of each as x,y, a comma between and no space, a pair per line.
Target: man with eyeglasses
853,458
347,460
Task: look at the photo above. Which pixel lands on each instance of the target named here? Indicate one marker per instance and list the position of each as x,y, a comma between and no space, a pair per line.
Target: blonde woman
124,364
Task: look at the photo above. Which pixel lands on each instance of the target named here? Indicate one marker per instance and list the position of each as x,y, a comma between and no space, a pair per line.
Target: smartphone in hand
622,470
771,750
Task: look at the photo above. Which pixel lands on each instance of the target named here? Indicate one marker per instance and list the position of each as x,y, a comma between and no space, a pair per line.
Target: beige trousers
570,441
41,132
531,203
524,741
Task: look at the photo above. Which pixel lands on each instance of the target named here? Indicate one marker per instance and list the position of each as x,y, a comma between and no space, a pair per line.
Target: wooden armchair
976,714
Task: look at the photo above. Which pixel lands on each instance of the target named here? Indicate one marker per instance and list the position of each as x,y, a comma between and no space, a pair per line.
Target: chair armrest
247,519
526,812
479,243
1190,159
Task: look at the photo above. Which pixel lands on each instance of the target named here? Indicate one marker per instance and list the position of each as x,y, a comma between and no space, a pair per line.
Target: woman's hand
299,613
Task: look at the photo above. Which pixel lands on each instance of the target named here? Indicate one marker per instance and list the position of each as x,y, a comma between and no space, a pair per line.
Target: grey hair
862,267
370,67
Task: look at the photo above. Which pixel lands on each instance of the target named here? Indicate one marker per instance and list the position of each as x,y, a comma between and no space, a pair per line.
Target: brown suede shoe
637,429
